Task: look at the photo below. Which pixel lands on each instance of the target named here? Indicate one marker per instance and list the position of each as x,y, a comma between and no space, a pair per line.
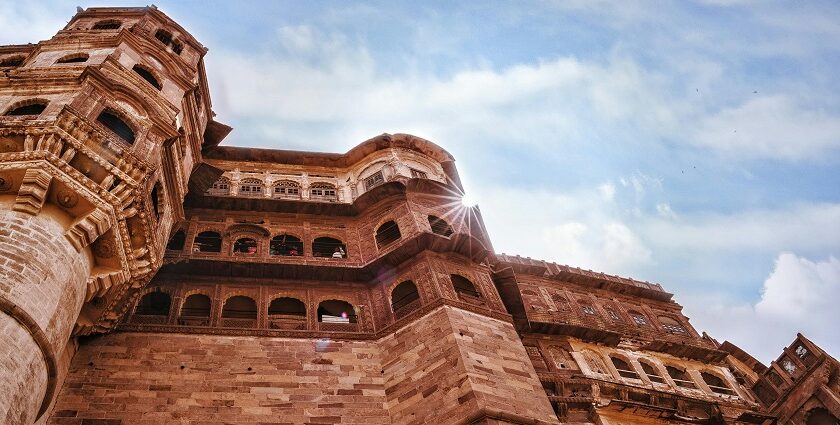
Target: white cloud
771,127
607,191
799,295
664,210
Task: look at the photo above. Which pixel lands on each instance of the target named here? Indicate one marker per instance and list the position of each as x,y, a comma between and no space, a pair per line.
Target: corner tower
100,129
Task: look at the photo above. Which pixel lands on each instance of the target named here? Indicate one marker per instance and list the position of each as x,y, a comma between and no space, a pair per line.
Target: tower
101,128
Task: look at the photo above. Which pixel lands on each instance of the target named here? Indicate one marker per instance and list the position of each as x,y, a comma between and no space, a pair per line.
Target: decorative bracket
33,191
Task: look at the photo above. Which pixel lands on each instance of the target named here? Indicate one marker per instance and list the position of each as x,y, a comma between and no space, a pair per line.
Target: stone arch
150,75
117,123
624,366
328,246
405,298
209,241
78,57
387,233
717,383
333,310
680,376
107,24
154,302
286,244
652,370
287,312
239,311
32,106
440,226
464,287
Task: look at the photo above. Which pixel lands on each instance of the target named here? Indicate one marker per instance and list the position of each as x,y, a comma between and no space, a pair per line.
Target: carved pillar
43,281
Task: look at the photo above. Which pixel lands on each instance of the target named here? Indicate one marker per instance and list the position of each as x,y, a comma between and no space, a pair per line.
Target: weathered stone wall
42,288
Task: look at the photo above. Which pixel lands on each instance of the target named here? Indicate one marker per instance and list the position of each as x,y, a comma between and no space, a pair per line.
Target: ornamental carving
66,198
5,183
7,145
104,248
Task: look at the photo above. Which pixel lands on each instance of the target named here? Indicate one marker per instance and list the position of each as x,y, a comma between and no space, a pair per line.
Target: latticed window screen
417,174
374,180
287,189
322,190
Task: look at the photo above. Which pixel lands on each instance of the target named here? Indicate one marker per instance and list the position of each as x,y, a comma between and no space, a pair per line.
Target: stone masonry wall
42,288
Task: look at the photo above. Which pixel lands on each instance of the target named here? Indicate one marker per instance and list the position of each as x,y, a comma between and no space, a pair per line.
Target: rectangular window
374,180
417,174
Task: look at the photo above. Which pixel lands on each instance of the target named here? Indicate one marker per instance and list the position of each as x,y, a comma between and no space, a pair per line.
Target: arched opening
329,248
286,189
595,363
74,58
820,416
465,289
177,241
387,233
336,311
404,299
208,242
671,325
322,192
287,313
716,384
147,75
117,126
680,377
157,200
286,245
245,246
251,187
652,372
10,61
27,108
239,312
164,37
624,369
221,187
196,310
154,304
109,24
440,226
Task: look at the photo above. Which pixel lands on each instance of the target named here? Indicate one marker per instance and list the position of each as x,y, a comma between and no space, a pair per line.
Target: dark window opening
164,37
680,377
335,311
117,126
387,233
245,246
177,47
328,247
652,373
147,75
820,416
30,109
440,226
176,243
154,304
196,305
374,180
285,245
11,61
463,286
157,200
716,384
287,307
107,25
74,58
239,307
624,369
208,242
404,298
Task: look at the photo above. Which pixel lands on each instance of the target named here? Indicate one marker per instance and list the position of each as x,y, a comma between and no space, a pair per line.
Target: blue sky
691,143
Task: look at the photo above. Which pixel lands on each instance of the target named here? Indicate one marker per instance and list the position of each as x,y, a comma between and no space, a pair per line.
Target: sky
691,143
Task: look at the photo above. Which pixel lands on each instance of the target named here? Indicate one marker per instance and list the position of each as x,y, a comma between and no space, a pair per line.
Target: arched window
208,242
287,313
594,362
716,384
109,24
117,126
329,247
638,318
164,37
286,245
652,372
287,189
245,246
440,226
387,233
27,108
680,377
239,312
251,187
154,304
10,61
323,192
157,200
373,180
196,306
147,75
221,187
74,58
671,325
404,299
177,241
464,288
820,416
624,369
336,315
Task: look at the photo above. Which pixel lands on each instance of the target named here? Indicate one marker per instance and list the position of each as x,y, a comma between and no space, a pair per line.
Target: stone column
42,289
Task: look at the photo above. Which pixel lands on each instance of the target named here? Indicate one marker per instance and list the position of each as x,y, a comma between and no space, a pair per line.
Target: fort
149,275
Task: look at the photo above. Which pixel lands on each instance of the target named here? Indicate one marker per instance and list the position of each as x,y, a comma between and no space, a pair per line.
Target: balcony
287,322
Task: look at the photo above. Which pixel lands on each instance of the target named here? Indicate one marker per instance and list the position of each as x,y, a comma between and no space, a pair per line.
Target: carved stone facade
150,276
